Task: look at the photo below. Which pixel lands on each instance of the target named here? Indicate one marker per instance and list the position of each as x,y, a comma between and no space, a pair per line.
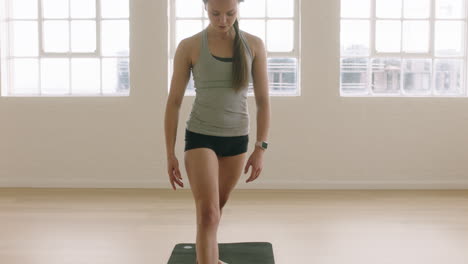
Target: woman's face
222,13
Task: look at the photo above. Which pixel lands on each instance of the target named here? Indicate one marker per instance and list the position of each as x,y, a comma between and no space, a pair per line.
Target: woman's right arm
180,78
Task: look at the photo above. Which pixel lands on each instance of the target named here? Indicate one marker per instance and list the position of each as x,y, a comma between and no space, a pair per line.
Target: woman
223,60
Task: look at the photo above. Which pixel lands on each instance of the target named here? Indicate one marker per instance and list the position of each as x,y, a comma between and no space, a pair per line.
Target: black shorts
222,146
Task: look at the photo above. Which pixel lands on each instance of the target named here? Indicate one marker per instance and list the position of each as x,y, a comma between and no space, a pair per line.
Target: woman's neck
229,35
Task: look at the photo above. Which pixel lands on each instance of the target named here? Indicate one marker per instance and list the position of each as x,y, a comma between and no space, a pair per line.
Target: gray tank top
217,109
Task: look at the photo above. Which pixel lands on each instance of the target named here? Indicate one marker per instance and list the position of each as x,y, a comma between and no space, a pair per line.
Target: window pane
450,9
282,74
187,28
448,76
83,36
55,8
189,8
24,8
115,39
280,35
417,76
283,8
386,76
354,36
83,8
255,8
449,37
114,8
55,76
254,27
416,36
388,35
353,78
416,8
25,76
115,75
56,36
85,75
25,38
388,8
355,8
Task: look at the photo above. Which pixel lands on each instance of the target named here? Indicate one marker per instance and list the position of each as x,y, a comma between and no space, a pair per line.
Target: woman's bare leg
201,165
230,170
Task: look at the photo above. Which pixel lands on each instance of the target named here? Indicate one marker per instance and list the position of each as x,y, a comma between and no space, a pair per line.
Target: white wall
318,140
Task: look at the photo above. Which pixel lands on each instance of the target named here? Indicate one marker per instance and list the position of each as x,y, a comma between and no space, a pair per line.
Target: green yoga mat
231,253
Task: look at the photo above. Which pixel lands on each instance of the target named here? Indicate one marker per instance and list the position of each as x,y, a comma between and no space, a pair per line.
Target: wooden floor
141,226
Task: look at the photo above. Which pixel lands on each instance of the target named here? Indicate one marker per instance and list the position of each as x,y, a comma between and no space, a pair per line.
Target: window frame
402,55
294,54
7,56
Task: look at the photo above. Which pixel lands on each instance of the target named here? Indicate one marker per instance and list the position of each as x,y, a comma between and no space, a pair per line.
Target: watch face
264,145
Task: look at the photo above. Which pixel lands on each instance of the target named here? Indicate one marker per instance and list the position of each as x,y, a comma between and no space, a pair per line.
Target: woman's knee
209,215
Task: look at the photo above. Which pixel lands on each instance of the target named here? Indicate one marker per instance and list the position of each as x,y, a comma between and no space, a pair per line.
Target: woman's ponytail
240,68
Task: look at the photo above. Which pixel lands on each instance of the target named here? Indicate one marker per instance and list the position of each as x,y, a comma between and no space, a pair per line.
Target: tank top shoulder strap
204,44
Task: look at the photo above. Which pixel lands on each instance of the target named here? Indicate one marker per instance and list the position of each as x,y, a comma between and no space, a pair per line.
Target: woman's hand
256,161
174,172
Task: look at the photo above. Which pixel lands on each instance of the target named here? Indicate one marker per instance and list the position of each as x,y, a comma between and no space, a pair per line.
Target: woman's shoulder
193,41
191,45
255,43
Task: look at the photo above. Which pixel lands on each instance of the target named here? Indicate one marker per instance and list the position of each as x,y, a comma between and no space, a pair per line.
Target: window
403,48
64,47
275,22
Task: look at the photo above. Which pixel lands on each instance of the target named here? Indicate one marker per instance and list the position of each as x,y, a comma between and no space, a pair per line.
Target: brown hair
240,67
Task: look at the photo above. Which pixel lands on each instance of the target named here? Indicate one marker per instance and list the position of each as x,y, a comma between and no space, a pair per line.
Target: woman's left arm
262,100
261,91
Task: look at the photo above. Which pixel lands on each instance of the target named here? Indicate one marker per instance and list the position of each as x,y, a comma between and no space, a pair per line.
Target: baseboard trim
258,184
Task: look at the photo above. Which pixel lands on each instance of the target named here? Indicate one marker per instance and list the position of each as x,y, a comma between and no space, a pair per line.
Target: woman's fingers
246,169
172,183
174,176
257,174
248,179
254,175
176,179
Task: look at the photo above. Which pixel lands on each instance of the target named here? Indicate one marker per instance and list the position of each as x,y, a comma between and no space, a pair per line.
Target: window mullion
69,28
41,47
8,21
464,74
98,41
431,45
295,30
297,44
402,19
402,53
432,29
373,22
69,49
372,51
